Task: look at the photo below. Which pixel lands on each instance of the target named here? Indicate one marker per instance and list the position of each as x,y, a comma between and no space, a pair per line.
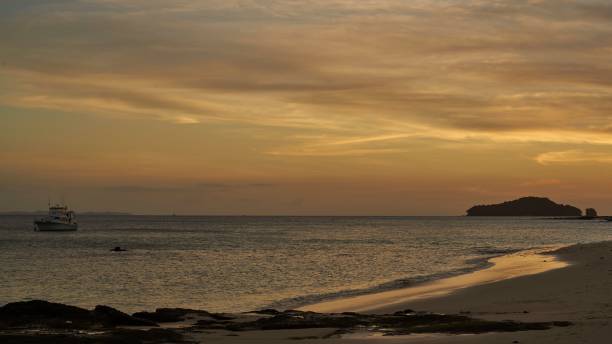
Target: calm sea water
244,263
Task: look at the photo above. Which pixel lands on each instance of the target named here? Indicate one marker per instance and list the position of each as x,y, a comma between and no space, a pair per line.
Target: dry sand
576,287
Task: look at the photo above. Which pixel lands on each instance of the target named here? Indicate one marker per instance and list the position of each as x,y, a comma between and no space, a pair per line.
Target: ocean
242,263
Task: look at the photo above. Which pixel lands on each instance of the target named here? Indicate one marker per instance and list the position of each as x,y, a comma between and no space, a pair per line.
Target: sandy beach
573,284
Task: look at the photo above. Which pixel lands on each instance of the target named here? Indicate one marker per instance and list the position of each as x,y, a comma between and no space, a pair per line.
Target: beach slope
579,291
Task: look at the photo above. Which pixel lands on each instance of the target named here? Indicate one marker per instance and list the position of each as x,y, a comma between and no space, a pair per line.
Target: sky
305,107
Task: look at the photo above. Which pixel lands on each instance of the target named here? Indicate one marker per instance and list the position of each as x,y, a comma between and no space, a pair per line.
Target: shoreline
561,306
320,302
579,293
300,302
498,268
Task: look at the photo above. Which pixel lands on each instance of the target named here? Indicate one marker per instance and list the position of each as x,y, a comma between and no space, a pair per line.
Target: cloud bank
354,68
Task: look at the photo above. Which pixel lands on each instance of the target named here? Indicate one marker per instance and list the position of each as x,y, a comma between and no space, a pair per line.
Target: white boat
60,219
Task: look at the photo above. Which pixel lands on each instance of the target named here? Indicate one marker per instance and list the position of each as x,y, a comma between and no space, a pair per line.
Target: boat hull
55,227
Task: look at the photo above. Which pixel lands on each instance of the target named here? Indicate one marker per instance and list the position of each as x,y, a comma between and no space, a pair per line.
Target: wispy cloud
524,66
194,187
573,157
542,182
334,152
365,73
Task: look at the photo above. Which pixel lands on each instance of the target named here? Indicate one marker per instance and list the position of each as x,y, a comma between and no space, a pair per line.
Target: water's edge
476,264
238,264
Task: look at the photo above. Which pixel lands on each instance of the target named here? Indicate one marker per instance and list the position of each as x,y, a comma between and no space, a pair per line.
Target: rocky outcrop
57,323
526,206
45,314
590,213
110,317
55,315
399,323
168,315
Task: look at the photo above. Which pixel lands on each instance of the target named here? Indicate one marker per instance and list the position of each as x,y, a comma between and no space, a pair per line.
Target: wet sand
522,263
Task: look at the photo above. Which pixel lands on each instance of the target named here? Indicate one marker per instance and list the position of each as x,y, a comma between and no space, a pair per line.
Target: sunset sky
348,107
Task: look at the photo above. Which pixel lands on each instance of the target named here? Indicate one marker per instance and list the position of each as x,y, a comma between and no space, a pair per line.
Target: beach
579,293
523,263
551,297
576,289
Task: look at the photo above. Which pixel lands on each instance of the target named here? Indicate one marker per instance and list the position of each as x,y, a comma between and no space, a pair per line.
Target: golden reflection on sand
521,263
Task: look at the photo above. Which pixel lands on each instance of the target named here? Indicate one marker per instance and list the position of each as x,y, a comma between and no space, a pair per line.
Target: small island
526,206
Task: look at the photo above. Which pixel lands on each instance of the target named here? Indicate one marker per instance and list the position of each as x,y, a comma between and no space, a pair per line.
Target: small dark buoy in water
118,249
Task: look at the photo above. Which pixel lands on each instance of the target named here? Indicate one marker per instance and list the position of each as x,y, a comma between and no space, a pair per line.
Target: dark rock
266,311
298,320
219,316
590,212
61,321
395,324
55,315
303,320
44,313
404,312
349,313
526,206
167,315
111,317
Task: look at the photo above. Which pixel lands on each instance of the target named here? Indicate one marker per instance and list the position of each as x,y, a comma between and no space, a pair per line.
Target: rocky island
526,206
